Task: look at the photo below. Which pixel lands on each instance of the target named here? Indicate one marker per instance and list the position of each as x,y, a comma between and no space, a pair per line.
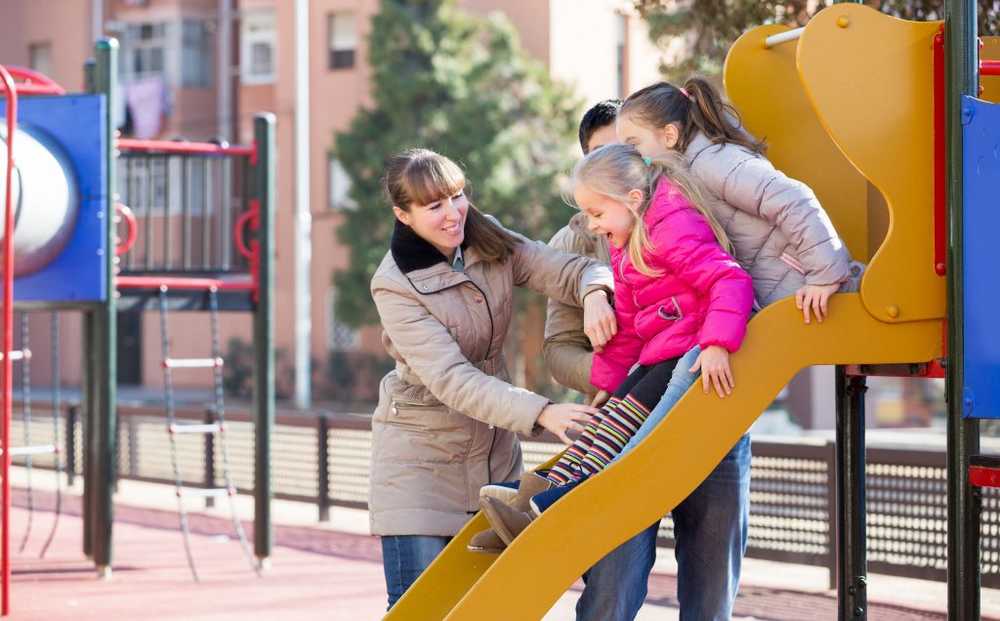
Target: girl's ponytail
712,116
697,107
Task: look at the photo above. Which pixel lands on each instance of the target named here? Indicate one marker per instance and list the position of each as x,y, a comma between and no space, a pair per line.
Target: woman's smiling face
441,223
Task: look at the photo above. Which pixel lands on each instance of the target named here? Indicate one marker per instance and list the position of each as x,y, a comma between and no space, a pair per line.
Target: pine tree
461,86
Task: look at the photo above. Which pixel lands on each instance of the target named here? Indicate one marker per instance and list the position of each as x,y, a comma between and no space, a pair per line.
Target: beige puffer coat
567,351
447,419
780,232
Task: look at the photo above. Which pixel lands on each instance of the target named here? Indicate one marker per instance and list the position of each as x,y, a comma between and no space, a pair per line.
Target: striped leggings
609,431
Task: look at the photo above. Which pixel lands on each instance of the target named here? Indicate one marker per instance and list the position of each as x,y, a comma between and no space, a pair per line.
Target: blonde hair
421,177
616,169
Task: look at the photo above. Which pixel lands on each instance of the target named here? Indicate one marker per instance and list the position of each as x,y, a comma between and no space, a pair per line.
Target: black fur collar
412,252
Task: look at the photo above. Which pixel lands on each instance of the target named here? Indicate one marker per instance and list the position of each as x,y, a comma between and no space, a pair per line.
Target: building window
342,38
144,55
258,45
40,57
196,54
339,186
339,337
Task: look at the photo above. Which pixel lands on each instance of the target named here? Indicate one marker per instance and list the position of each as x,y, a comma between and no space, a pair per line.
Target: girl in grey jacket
780,232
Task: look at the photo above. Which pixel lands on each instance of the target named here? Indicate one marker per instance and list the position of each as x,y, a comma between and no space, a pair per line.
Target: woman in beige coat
448,418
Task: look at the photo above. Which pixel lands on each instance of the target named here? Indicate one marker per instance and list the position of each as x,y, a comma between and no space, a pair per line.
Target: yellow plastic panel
870,79
527,579
990,84
764,86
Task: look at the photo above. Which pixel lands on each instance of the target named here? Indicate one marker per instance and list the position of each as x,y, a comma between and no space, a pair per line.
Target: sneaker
540,502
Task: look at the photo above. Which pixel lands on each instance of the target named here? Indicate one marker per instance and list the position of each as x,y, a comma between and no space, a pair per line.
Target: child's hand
714,364
599,322
816,299
599,400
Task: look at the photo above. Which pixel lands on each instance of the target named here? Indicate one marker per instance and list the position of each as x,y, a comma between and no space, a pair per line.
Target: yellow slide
897,323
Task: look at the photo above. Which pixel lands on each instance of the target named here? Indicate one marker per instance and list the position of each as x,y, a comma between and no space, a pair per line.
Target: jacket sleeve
429,350
752,184
612,364
567,350
691,252
557,275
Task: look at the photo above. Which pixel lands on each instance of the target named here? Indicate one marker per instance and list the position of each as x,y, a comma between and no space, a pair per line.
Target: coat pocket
418,433
670,311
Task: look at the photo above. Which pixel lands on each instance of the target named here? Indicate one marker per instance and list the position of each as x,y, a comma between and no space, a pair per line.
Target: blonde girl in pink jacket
676,287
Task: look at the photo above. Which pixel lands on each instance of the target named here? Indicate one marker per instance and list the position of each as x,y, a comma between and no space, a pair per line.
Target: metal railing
324,460
187,199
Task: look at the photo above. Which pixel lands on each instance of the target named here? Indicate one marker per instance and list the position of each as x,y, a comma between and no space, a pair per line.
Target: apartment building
175,86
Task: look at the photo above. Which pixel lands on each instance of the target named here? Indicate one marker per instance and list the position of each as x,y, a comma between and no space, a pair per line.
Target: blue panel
76,122
981,254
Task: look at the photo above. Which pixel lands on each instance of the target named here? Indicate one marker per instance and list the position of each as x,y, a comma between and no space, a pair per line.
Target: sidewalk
342,549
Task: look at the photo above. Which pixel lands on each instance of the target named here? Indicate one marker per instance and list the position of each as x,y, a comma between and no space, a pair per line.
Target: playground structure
879,116
867,109
61,163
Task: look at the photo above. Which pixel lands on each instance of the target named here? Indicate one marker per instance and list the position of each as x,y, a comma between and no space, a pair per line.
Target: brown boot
506,521
487,542
531,484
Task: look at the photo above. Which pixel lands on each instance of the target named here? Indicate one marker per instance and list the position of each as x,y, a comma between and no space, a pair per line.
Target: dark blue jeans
405,557
710,528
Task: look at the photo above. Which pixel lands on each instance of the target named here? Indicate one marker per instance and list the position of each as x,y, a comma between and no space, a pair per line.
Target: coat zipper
489,348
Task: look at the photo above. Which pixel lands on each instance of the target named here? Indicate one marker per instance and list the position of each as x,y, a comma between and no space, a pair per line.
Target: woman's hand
714,364
599,323
815,298
562,417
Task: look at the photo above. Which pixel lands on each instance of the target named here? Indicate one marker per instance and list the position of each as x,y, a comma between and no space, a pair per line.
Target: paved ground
331,571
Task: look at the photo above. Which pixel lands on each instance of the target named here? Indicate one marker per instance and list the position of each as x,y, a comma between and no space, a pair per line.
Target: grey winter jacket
779,231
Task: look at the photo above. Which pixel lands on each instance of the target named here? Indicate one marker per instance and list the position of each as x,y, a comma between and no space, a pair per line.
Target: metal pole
852,553
303,211
323,480
852,559
87,388
209,475
103,349
87,403
961,78
223,81
263,322
7,337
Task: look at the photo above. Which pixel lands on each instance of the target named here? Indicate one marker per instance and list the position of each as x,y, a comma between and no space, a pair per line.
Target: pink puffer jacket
702,297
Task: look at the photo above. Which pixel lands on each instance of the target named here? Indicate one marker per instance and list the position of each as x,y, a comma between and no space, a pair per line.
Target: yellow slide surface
862,78
527,579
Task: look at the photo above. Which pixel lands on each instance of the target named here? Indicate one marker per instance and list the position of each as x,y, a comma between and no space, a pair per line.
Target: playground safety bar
989,67
783,37
6,341
186,284
984,471
185,148
33,83
18,354
124,214
21,451
192,363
